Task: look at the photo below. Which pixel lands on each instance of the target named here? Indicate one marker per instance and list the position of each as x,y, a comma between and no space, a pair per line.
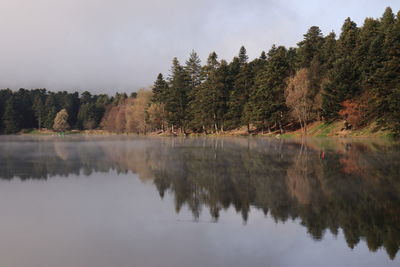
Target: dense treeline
27,109
353,77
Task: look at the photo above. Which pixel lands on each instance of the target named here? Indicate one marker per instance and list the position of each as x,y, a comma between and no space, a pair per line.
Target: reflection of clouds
283,178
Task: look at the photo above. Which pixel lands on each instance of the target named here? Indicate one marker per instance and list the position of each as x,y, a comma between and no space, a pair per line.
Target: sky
108,46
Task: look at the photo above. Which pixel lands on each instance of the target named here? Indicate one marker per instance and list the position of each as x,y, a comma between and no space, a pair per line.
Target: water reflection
328,184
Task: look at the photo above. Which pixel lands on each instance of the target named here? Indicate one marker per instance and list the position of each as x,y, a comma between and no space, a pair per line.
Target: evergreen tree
177,96
160,89
23,105
387,20
239,96
10,117
263,56
211,66
342,85
369,52
89,114
50,111
71,102
193,69
267,100
243,56
348,40
5,94
328,52
343,78
386,81
39,109
209,100
310,48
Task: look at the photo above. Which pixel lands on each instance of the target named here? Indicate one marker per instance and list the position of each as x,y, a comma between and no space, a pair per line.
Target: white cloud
107,46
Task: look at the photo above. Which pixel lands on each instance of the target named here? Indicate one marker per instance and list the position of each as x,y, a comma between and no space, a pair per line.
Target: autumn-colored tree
297,97
114,118
61,121
136,112
120,119
157,116
354,111
107,122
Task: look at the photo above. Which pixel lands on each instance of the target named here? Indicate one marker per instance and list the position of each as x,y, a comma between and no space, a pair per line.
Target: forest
353,77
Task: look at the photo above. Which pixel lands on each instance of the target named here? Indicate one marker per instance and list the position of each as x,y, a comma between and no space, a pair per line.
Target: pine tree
387,20
369,52
267,99
211,66
343,84
88,115
263,56
193,69
344,76
387,81
201,114
177,97
239,96
348,40
310,47
39,109
243,56
160,89
328,52
5,94
71,102
10,117
50,111
209,100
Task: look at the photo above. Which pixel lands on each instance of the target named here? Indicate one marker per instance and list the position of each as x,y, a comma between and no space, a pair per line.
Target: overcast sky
121,45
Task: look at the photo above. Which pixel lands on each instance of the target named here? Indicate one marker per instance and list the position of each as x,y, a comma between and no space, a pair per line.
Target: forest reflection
327,184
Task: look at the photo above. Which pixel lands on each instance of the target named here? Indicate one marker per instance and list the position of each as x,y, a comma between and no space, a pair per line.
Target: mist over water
134,201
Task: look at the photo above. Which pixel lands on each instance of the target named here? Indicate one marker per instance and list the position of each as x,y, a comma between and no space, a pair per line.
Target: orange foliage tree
355,111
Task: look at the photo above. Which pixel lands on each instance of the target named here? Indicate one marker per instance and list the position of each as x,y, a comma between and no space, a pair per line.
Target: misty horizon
106,47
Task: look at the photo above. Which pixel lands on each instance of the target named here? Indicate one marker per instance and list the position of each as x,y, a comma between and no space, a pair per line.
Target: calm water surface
148,202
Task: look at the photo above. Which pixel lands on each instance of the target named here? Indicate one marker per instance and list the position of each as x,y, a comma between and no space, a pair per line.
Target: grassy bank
335,129
316,129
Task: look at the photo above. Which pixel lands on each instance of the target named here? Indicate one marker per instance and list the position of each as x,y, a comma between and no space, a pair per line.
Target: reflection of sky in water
111,220
106,219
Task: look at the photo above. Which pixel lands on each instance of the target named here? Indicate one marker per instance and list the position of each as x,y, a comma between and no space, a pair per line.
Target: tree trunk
301,124
305,128
263,127
40,121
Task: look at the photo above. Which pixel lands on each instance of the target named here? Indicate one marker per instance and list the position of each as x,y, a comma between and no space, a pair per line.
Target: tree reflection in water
328,184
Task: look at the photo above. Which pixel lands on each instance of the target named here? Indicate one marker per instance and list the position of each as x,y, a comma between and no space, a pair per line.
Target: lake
130,201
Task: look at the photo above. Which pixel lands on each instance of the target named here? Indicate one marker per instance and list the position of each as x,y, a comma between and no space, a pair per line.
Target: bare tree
297,97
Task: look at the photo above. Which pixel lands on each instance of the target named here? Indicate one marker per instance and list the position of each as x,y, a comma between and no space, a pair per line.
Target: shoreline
316,129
